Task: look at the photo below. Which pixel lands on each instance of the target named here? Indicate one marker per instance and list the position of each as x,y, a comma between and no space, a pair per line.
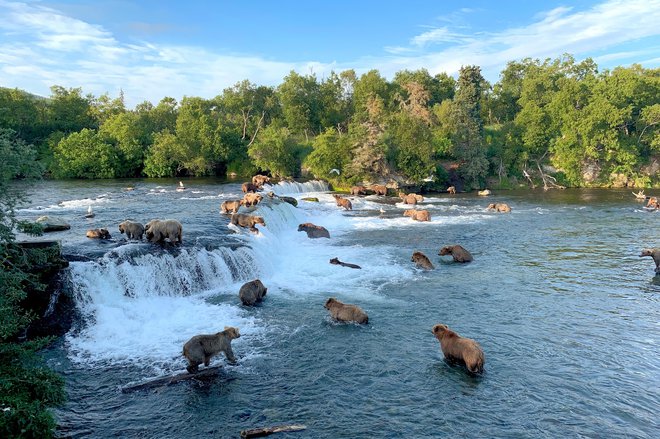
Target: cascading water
564,309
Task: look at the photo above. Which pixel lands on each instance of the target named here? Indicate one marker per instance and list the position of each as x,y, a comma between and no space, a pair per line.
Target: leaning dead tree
549,182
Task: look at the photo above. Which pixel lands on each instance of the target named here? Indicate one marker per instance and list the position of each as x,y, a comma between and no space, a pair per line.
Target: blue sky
152,49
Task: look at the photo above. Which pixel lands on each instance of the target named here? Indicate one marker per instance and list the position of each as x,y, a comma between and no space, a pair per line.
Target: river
564,308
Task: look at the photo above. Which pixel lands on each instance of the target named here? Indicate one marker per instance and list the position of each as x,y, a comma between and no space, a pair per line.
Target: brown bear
418,215
451,190
259,180
252,292
458,253
343,202
157,231
358,190
422,261
408,199
655,254
292,201
484,193
98,234
314,231
499,207
379,189
653,203
248,221
201,348
132,229
457,349
336,261
249,187
231,206
252,199
345,312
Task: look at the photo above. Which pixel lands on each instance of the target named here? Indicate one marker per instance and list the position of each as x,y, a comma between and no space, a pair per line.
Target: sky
154,49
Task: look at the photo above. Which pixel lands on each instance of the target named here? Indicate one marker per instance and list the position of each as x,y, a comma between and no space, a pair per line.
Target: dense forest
556,122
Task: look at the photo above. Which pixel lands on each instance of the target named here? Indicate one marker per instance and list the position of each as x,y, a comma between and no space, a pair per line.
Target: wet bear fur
201,348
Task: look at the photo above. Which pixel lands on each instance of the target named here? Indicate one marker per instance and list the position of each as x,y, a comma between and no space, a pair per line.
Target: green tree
469,145
411,143
275,150
163,157
330,151
301,103
27,387
69,111
85,155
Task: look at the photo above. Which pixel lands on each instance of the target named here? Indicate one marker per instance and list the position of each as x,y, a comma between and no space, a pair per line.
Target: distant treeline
552,122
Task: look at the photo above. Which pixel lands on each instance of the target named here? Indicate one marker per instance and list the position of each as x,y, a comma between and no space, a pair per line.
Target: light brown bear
484,193
422,261
418,215
653,203
98,234
314,231
358,190
252,199
201,348
231,206
379,189
345,312
132,229
343,202
457,349
252,292
157,231
458,253
451,190
655,254
260,180
499,207
408,199
248,221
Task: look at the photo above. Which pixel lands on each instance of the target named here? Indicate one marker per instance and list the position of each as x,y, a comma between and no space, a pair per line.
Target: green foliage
276,150
161,159
330,151
27,389
301,103
85,154
412,145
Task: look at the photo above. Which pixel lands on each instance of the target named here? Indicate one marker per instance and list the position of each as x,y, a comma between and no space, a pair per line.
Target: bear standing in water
460,349
201,348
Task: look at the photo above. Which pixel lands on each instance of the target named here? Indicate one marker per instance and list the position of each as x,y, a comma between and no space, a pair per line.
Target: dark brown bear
336,261
459,349
252,292
314,231
458,253
249,187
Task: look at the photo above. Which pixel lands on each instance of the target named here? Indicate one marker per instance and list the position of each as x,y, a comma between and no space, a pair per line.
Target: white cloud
41,47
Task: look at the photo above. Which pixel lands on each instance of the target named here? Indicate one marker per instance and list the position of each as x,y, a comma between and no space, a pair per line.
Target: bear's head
491,206
259,220
104,233
439,330
335,261
447,250
409,212
418,256
647,252
302,227
231,332
331,301
121,228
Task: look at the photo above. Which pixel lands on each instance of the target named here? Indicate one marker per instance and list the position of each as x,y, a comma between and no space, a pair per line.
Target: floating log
266,431
209,372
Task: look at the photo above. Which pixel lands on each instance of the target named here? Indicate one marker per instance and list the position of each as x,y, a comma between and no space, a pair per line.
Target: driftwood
265,431
209,372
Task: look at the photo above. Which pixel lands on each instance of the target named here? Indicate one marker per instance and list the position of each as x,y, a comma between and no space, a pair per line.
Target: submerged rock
51,224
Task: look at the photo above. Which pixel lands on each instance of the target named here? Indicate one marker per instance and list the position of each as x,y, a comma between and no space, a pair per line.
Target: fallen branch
209,372
265,431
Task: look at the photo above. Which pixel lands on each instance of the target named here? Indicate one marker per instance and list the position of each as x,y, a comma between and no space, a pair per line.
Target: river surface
564,308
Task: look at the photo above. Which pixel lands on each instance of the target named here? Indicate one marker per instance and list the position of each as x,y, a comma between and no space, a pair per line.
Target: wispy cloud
41,47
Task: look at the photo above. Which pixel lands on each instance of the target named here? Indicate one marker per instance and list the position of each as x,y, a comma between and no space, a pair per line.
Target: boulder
51,224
